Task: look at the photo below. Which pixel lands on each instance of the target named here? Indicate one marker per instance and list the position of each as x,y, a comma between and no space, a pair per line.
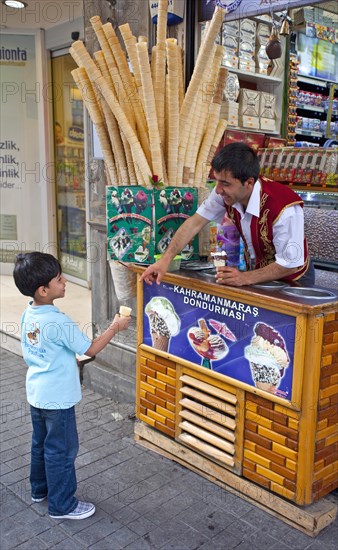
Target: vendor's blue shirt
50,341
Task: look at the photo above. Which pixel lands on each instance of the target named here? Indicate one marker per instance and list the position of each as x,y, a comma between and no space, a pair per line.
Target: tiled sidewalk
143,500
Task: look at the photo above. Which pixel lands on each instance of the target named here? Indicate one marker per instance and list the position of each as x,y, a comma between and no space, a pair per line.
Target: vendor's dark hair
239,159
34,269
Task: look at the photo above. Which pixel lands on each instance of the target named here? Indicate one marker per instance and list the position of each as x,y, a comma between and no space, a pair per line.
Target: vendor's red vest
275,197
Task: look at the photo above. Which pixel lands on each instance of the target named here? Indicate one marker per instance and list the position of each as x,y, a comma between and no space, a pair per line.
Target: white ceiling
41,14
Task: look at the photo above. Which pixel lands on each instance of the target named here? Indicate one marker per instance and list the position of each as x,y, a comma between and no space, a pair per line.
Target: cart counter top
302,299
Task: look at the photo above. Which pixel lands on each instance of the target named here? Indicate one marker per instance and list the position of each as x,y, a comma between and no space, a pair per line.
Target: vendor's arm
288,240
183,236
233,277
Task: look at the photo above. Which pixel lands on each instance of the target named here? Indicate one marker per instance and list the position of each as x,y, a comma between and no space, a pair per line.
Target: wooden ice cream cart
200,399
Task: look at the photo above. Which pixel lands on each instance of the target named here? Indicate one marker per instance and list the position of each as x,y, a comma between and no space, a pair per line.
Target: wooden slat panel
204,411
212,401
208,388
212,426
206,449
208,437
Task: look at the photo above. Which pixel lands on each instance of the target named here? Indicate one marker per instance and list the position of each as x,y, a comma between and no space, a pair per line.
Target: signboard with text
248,343
238,9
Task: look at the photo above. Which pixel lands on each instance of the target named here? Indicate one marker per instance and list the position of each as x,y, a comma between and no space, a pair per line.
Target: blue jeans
55,445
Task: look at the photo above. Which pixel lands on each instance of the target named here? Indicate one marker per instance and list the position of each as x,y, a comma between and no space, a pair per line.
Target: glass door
70,169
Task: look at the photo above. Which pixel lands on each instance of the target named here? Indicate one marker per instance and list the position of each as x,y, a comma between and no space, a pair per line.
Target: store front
70,177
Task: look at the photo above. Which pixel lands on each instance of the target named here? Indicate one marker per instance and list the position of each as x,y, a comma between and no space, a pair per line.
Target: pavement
143,500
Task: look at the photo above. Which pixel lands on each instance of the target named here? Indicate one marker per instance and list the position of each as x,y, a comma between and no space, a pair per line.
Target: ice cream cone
267,356
160,342
125,311
271,388
163,320
219,258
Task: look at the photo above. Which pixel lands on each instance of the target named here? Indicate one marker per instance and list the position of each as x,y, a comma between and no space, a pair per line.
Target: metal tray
309,292
197,266
270,285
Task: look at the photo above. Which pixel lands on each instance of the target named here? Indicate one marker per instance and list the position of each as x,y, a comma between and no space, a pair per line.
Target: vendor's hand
155,272
230,276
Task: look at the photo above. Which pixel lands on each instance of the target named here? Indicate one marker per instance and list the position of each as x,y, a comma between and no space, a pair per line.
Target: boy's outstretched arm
119,323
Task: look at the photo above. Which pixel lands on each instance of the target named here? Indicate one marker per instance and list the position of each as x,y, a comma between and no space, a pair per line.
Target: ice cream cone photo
163,320
267,356
159,341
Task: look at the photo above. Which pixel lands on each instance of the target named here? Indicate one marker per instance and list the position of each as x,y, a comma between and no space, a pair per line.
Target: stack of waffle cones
145,123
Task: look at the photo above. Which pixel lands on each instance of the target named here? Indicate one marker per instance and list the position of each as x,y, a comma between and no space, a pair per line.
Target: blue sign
247,343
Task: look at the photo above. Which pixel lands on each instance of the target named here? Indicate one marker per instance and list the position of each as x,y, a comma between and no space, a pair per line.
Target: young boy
50,342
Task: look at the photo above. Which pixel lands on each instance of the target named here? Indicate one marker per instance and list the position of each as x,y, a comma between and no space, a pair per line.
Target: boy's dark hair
33,270
239,159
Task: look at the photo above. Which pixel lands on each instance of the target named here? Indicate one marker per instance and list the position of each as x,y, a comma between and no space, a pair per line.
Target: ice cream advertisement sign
130,223
247,343
173,206
141,222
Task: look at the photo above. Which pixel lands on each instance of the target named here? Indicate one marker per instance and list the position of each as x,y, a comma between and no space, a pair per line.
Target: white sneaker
38,499
83,510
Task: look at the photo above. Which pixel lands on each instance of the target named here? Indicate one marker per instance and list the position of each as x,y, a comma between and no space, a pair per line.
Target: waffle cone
271,388
160,342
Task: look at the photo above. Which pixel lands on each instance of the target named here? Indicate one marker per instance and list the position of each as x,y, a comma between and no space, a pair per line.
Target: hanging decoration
286,22
274,46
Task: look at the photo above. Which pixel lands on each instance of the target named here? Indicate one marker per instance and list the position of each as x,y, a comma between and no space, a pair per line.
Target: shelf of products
301,165
71,198
317,99
254,88
309,133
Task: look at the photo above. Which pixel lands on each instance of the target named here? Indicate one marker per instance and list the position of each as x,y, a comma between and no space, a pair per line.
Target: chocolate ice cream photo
268,357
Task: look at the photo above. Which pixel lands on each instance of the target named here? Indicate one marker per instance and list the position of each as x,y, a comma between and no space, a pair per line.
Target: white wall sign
24,171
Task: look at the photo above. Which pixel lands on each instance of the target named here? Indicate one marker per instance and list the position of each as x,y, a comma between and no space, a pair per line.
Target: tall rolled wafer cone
129,85
150,110
113,69
173,110
160,74
199,117
95,76
203,164
180,76
201,63
86,90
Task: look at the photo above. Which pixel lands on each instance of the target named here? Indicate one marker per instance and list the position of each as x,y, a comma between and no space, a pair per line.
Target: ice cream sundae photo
163,320
211,347
268,357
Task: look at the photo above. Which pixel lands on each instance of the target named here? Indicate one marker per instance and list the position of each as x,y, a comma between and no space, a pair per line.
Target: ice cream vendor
268,215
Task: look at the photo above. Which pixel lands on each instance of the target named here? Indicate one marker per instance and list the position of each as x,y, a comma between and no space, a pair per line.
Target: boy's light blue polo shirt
49,342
